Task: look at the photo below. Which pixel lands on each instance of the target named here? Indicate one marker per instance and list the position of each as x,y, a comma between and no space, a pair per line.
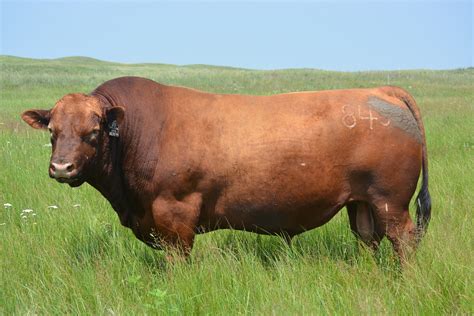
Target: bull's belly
273,215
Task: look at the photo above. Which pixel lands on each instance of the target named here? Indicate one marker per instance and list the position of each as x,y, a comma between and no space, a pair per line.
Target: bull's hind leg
363,224
397,225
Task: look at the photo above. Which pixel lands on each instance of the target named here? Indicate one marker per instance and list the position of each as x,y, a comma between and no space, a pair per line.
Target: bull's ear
116,113
114,116
37,118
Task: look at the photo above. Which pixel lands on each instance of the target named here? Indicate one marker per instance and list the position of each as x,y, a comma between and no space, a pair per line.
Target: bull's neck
127,161
108,180
107,177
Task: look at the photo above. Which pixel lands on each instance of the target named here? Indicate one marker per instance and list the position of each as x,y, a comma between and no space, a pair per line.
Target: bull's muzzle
62,171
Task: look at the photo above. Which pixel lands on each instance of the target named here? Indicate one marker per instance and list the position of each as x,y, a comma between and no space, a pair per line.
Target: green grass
79,259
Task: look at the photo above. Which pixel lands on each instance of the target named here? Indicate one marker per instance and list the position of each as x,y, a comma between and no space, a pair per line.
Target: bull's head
78,125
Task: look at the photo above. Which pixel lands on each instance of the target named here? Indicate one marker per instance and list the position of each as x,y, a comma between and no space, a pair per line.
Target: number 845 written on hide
352,117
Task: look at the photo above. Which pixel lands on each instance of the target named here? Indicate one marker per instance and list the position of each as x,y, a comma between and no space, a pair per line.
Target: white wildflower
27,210
76,205
47,145
23,216
7,205
52,207
1,224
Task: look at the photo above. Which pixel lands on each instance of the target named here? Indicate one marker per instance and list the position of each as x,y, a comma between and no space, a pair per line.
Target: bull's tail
423,199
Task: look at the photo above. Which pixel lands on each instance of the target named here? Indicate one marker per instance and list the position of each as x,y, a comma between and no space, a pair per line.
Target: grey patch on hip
401,118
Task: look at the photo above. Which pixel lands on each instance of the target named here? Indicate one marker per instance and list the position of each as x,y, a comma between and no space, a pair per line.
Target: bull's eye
52,136
92,136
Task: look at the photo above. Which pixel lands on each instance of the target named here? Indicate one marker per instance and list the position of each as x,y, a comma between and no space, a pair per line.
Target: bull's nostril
52,167
70,167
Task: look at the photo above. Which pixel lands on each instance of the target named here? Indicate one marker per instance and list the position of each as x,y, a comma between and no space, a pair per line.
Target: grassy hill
63,250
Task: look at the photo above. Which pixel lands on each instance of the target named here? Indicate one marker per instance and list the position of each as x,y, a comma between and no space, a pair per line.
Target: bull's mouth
72,181
66,180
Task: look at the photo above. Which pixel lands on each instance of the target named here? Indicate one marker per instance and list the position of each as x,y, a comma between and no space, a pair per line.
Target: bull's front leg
175,220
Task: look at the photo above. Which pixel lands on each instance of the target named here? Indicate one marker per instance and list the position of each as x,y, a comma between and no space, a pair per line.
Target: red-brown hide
184,161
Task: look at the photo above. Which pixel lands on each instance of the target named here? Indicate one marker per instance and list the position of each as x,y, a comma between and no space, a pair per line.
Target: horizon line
236,67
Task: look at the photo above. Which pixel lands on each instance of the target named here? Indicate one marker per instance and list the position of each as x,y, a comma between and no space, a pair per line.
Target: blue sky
349,35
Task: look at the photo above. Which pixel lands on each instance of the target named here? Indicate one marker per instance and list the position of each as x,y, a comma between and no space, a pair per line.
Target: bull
174,162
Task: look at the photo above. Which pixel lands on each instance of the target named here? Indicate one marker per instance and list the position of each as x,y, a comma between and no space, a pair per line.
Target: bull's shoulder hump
126,83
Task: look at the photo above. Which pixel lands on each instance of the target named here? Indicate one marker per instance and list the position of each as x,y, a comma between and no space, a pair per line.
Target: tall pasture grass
68,254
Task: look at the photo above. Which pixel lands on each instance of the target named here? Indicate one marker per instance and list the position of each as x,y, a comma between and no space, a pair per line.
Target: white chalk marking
349,119
371,118
386,123
350,116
